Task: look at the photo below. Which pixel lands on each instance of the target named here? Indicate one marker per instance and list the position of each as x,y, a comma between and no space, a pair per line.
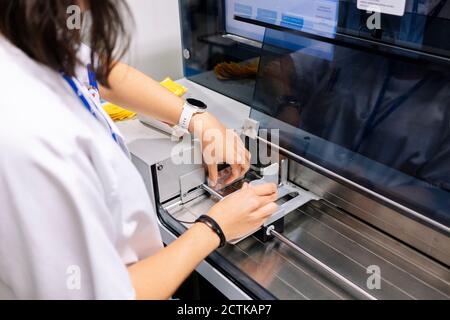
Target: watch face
197,104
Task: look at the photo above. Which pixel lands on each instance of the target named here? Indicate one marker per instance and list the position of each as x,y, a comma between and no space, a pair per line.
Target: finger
241,152
265,200
245,186
246,166
248,155
241,145
213,175
267,211
241,170
240,157
265,189
224,173
235,174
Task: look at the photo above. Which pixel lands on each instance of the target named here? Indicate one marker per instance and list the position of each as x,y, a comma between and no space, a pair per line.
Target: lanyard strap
92,78
88,105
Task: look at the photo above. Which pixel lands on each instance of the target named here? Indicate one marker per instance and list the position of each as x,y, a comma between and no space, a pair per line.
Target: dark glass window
372,104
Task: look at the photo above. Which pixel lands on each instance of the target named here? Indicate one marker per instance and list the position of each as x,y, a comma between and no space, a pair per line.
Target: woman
75,220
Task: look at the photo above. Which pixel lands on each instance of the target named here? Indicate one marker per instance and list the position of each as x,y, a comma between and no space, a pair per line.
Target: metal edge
365,44
428,240
212,275
217,262
238,278
432,223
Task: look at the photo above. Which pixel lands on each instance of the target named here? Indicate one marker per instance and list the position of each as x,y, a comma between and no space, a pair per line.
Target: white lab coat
73,209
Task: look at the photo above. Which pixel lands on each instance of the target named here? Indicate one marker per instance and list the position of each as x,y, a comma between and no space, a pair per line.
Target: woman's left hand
220,145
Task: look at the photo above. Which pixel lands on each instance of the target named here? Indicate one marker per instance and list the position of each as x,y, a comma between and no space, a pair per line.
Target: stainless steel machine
356,124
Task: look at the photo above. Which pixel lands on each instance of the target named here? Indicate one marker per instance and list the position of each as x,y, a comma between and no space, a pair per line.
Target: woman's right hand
245,210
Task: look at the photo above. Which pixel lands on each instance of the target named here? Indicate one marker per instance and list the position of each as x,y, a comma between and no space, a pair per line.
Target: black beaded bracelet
210,222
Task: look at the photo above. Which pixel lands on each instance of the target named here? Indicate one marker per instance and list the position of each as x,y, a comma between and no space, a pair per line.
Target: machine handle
319,263
212,192
295,247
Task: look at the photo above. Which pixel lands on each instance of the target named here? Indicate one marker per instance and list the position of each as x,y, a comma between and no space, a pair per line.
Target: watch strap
186,117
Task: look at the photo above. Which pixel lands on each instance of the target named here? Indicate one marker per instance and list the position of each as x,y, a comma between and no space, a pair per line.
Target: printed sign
393,7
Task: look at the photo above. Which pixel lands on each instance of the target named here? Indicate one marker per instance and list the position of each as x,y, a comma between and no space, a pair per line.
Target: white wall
156,47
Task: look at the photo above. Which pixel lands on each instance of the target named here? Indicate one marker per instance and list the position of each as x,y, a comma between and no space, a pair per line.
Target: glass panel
375,112
423,26
366,95
318,16
215,55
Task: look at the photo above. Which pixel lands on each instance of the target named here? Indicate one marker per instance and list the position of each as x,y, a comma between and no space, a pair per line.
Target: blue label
267,15
292,22
243,10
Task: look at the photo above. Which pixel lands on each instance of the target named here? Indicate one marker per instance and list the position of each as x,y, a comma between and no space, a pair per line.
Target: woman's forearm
159,276
137,92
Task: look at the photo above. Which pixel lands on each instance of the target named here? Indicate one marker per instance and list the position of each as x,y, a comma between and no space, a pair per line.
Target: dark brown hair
39,28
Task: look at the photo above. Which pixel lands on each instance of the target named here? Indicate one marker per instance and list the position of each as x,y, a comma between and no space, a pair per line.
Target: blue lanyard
92,78
85,102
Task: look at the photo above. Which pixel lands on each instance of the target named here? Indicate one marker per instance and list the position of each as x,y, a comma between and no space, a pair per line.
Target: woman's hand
220,145
245,211
238,215
137,92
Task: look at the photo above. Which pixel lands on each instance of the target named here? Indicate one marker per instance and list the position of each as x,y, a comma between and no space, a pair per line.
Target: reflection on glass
215,58
318,16
381,120
370,104
423,26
